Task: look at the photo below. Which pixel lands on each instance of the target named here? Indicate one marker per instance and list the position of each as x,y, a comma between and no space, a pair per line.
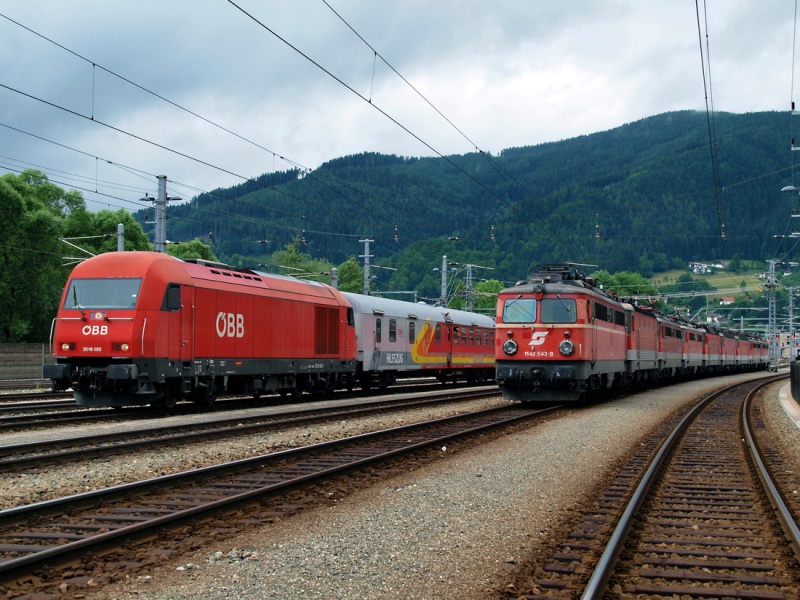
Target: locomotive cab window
392,330
102,293
558,310
412,332
519,310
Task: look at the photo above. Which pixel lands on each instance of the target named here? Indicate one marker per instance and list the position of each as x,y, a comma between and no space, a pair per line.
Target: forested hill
637,197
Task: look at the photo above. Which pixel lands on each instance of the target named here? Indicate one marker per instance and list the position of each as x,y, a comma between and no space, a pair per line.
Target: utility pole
469,303
160,230
366,256
443,297
120,237
791,323
772,331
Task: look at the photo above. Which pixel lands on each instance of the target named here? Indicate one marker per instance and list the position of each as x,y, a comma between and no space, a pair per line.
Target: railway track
72,448
25,384
54,412
23,398
66,529
701,515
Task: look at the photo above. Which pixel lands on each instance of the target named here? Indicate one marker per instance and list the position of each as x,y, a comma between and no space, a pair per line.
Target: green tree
32,218
486,295
193,249
351,277
293,261
105,223
735,264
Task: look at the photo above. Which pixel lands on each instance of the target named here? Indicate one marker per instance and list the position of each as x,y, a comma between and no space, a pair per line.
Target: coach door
593,334
450,342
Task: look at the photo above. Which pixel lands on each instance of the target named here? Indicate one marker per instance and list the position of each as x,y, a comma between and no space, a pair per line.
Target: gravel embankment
455,528
73,478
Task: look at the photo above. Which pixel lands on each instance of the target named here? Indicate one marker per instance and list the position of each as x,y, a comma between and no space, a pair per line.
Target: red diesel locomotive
148,328
559,339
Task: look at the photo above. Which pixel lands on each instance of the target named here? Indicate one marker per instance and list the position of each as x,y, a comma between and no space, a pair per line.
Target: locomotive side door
187,322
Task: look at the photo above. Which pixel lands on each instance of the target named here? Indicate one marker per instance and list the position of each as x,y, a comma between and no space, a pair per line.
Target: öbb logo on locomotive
95,330
230,325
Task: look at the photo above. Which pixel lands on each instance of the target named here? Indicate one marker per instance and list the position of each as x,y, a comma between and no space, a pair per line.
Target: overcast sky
505,73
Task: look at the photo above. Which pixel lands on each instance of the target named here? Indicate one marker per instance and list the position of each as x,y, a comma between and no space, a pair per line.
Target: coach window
558,310
455,336
519,310
377,331
392,330
412,332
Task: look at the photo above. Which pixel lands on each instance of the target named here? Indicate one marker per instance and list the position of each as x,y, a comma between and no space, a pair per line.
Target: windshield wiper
76,303
566,306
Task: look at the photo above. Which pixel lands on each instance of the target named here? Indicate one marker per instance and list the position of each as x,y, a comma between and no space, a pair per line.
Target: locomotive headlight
566,347
67,346
121,347
510,347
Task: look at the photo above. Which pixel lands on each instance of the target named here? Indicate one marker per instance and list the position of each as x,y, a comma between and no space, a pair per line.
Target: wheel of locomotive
205,395
169,398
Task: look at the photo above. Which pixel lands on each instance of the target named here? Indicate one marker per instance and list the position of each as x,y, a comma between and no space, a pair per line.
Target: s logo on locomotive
230,325
537,339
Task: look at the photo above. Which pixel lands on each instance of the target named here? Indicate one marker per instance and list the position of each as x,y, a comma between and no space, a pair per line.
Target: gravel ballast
455,528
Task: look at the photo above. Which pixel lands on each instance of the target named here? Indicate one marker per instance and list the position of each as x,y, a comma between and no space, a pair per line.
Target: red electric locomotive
147,328
559,338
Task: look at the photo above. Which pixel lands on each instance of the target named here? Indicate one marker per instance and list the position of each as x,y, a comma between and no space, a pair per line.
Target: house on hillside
699,268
